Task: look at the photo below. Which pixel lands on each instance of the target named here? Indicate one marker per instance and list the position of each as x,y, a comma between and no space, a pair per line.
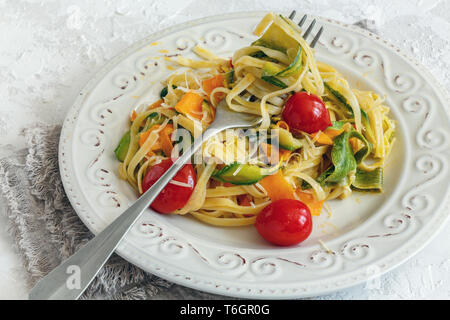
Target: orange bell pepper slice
315,207
283,125
333,133
166,141
210,84
277,187
322,138
354,142
156,104
144,136
327,136
190,104
278,154
152,106
133,115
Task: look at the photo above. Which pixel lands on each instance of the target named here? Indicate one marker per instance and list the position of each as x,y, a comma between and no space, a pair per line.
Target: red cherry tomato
173,196
306,112
285,222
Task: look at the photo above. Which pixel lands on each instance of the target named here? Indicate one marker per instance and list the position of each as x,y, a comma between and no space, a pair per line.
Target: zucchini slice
242,174
368,180
275,81
122,149
287,141
165,91
339,97
276,38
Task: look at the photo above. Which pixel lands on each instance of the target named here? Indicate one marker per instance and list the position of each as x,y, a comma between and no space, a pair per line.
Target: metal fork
91,258
309,29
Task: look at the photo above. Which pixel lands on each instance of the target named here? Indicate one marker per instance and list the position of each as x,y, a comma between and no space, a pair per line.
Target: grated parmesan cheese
325,247
237,170
180,184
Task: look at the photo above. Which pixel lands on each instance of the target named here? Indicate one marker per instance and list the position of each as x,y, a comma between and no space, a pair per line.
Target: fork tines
309,29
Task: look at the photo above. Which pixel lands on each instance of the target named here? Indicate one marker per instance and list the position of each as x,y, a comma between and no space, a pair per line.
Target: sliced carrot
322,138
277,187
210,84
155,104
314,206
190,104
133,115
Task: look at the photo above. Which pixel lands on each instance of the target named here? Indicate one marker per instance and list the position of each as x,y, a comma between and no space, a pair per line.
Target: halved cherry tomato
173,196
284,222
306,112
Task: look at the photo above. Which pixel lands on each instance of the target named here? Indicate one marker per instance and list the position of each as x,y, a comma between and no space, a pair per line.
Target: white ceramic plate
366,234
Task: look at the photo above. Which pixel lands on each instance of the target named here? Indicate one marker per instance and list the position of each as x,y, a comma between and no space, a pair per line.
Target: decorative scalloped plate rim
269,290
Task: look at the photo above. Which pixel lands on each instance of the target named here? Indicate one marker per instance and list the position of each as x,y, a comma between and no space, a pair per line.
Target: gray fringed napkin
46,230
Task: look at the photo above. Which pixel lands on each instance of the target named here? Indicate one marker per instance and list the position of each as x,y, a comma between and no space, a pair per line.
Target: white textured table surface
50,49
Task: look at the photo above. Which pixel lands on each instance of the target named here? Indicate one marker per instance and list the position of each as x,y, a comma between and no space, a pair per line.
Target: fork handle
71,278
